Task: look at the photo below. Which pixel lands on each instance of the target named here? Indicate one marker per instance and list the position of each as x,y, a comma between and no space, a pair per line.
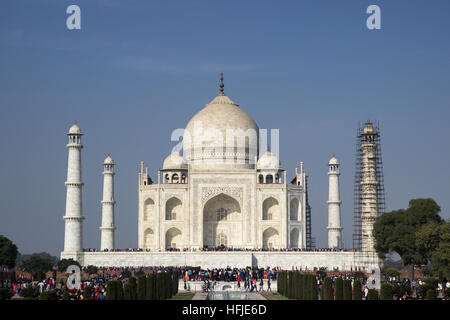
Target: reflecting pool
227,295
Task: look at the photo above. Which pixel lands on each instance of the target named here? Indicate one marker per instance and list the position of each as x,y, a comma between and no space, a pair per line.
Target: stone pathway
251,296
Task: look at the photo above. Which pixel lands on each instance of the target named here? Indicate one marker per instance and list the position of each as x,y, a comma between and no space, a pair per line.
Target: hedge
357,294
127,292
119,290
431,294
347,290
141,287
386,291
87,293
65,295
313,288
133,287
151,287
29,292
48,295
6,294
339,283
327,290
372,294
114,290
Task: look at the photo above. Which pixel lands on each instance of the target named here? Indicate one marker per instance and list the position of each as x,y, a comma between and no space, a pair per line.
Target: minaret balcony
74,184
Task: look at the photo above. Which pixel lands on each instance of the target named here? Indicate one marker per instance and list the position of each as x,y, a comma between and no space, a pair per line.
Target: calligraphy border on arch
209,192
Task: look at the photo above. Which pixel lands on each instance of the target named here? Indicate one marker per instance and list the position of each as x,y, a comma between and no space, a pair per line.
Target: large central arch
222,219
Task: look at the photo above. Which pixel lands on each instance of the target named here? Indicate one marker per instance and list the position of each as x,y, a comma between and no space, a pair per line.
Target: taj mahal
225,190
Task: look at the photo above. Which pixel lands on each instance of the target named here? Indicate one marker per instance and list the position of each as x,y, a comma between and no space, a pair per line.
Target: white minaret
369,184
73,236
334,206
107,228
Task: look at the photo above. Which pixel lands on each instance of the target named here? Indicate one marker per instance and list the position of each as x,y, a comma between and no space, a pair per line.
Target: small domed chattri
75,129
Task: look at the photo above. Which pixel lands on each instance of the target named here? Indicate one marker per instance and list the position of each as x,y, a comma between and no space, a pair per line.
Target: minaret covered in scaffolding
369,200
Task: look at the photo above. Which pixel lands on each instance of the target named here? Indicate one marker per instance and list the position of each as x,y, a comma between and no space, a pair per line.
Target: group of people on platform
246,279
250,278
220,248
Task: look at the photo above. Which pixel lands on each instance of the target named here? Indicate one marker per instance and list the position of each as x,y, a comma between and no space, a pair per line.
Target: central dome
221,135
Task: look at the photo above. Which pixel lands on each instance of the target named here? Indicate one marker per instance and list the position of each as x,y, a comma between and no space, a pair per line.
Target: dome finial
221,85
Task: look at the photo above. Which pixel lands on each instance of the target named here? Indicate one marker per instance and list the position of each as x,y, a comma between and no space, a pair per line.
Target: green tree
133,287
87,293
126,274
372,294
91,270
141,287
339,283
6,294
302,293
127,292
8,252
65,295
431,294
119,289
347,290
327,290
29,292
37,266
53,259
396,231
391,272
63,264
48,295
313,287
111,290
400,289
175,279
386,291
433,241
427,284
151,287
159,287
357,293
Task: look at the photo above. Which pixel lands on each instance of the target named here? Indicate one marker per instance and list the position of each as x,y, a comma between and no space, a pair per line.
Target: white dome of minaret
75,129
108,160
333,161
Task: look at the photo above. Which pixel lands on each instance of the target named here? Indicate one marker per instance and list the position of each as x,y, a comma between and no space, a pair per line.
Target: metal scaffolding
357,197
309,244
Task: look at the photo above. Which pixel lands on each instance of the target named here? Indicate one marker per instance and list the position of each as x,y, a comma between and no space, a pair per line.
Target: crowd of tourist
245,279
222,248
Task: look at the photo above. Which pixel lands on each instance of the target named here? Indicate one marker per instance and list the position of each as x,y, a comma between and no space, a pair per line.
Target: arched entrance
149,208
173,238
148,238
294,210
294,238
173,206
271,239
271,209
222,222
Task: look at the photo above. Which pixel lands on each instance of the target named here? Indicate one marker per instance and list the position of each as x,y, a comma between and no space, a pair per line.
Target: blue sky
137,70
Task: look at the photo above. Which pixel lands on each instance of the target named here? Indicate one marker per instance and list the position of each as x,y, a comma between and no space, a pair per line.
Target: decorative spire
221,85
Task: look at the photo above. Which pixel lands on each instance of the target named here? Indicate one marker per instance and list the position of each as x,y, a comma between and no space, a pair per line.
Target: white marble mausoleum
224,190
